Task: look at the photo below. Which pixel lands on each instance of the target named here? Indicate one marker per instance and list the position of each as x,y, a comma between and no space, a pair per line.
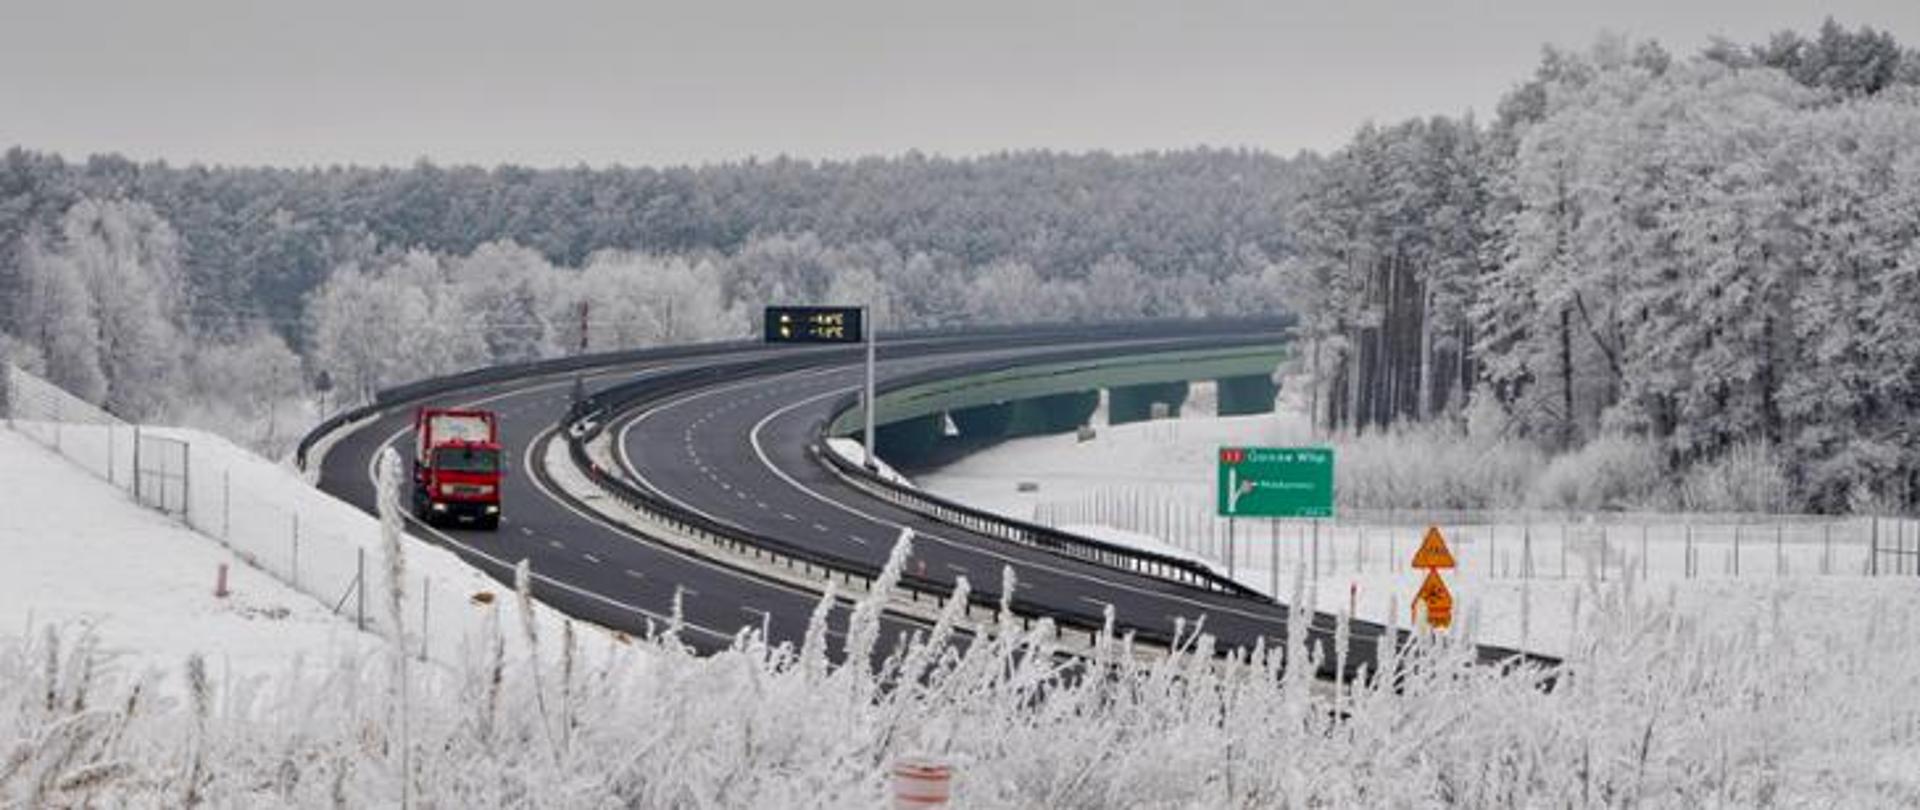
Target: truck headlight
439,507
493,509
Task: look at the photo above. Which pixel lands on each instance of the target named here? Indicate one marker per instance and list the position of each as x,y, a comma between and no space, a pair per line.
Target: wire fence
244,502
1505,545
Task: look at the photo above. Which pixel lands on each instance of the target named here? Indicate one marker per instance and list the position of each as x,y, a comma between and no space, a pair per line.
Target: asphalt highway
739,452
740,449
582,565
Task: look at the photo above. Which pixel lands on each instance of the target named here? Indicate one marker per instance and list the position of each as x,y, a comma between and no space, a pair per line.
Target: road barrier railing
592,416
1165,567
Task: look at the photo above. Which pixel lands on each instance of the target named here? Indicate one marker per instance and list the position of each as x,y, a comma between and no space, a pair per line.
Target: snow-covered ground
1151,485
78,551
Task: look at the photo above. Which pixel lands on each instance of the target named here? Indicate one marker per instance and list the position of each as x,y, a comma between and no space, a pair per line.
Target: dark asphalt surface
739,450
582,566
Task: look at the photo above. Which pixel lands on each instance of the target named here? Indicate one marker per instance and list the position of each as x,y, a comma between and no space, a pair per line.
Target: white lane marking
556,544
789,516
760,451
526,531
630,534
590,558
373,463
858,539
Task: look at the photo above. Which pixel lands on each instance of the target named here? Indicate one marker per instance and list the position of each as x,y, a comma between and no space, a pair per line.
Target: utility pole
585,309
866,320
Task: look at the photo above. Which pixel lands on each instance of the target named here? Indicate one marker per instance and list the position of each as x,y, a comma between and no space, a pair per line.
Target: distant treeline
259,240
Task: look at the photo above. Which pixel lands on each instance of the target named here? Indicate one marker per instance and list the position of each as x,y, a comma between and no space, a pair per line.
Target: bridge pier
1242,396
983,423
1054,413
908,442
1134,403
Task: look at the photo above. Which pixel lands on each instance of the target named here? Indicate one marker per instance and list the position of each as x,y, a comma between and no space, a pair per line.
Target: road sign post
868,411
1281,482
841,325
1433,555
1274,482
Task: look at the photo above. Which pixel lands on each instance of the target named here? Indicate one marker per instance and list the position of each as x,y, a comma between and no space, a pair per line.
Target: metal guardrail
589,418
402,394
1178,570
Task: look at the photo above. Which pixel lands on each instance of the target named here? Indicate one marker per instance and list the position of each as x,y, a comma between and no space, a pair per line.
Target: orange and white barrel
921,783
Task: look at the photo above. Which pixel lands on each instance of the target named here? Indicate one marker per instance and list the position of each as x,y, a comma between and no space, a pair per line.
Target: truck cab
457,467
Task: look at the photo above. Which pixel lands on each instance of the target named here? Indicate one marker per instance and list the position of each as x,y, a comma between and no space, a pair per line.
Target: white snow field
1151,484
79,552
1652,708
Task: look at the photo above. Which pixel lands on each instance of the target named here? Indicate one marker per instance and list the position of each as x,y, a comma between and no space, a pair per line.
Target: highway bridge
700,475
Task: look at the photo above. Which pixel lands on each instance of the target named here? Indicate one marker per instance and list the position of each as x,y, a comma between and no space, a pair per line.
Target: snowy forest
1699,257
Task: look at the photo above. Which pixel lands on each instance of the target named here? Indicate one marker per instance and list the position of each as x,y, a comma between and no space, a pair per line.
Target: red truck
456,467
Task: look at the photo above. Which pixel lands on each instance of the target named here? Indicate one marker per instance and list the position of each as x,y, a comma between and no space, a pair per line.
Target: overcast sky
559,82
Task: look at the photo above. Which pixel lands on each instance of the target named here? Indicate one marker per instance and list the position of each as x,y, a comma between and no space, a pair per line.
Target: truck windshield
465,459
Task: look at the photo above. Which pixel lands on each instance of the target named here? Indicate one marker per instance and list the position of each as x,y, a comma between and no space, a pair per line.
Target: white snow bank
1150,485
78,551
856,453
269,513
1137,541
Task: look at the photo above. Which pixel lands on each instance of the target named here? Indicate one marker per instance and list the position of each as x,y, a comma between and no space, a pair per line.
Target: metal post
1686,561
1873,553
1736,551
1273,555
1645,563
866,322
186,483
1779,550
136,463
360,589
296,551
1316,550
1230,549
226,505
1826,549
426,597
1603,552
1563,550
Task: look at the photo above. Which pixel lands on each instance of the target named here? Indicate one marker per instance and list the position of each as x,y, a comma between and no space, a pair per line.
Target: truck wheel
490,523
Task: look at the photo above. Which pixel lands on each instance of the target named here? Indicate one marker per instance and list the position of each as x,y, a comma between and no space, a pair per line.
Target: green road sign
813,325
1291,482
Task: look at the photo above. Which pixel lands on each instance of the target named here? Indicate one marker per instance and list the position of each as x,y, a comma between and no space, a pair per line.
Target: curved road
739,449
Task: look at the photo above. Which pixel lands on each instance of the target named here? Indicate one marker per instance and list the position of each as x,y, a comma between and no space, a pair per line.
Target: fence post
1736,551
360,589
226,505
1873,551
1563,549
186,483
296,551
426,597
136,463
1603,552
1687,558
1645,562
1826,549
1779,550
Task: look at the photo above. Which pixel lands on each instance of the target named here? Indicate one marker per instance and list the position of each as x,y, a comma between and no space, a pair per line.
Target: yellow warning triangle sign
1433,551
1437,599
